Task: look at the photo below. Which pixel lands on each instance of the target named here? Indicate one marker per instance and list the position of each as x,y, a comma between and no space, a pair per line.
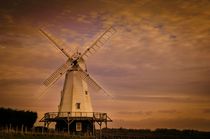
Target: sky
157,65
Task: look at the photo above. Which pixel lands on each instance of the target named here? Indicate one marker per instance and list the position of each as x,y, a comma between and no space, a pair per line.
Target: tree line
16,119
122,133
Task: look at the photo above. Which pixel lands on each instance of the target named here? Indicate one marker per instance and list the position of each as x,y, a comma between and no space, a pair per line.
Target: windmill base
76,127
76,123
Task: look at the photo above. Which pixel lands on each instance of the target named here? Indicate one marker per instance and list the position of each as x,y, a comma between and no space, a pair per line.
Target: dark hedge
16,119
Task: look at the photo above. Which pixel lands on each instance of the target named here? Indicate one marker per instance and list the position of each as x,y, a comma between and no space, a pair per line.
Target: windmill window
86,92
78,105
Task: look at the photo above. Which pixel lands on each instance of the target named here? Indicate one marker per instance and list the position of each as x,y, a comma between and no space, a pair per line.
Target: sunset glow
157,65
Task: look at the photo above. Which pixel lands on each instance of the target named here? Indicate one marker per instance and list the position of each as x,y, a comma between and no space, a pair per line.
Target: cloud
170,99
12,82
172,111
151,113
148,48
160,53
206,111
135,113
178,123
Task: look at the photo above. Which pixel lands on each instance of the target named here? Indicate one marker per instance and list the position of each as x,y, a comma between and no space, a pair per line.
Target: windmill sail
99,42
90,81
75,106
57,74
74,66
57,43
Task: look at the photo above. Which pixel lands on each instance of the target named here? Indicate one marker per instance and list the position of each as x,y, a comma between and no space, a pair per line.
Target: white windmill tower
75,113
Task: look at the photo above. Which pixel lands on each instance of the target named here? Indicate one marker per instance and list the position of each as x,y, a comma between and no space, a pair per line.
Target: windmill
75,113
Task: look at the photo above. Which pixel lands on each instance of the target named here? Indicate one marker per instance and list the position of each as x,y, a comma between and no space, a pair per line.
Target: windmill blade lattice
58,43
86,77
75,57
99,42
57,74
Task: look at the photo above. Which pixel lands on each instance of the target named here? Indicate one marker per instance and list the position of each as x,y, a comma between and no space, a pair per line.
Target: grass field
113,134
38,136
